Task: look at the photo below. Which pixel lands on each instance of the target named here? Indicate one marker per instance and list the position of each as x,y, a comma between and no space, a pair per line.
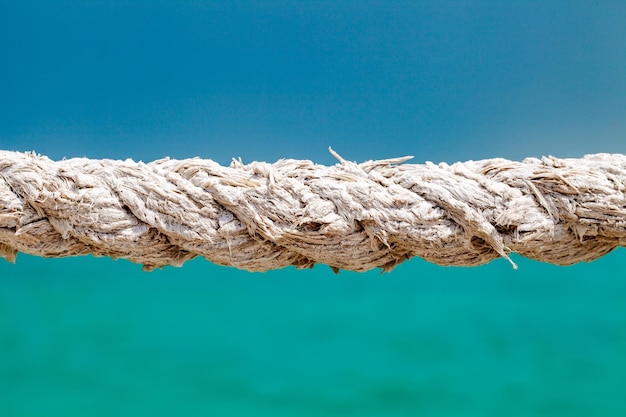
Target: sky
263,80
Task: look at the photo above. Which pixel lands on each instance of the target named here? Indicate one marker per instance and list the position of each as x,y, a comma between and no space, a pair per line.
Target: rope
263,216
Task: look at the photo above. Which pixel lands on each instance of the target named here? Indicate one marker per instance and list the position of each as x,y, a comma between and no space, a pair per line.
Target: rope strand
263,216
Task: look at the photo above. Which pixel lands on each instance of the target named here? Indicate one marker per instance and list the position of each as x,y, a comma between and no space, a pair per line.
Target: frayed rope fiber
263,216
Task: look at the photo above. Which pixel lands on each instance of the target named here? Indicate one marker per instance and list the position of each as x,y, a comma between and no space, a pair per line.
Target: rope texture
263,216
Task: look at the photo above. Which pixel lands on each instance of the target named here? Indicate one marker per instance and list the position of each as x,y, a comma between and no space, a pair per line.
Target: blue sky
263,80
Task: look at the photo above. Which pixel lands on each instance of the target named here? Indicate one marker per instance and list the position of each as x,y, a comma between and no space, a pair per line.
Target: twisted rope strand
263,216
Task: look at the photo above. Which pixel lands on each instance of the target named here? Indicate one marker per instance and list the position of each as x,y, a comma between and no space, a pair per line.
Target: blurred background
263,80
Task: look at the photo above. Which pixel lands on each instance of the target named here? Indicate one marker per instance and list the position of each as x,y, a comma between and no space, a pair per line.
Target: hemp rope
263,216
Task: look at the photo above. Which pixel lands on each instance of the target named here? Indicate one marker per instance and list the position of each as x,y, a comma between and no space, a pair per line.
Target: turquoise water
98,337
263,80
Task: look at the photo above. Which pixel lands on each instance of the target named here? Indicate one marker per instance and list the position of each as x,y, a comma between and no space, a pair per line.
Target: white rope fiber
263,216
